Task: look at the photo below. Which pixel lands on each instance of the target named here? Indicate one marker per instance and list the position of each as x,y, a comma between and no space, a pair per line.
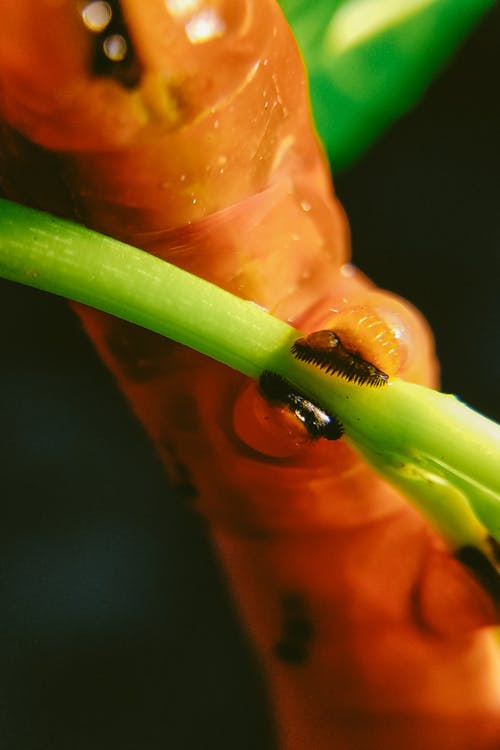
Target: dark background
115,627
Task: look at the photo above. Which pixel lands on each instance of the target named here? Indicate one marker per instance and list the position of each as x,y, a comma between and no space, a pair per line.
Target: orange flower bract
369,633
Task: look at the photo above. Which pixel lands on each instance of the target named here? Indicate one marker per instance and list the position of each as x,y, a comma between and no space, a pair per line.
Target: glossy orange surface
369,633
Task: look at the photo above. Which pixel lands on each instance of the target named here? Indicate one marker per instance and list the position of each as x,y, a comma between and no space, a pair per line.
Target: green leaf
370,60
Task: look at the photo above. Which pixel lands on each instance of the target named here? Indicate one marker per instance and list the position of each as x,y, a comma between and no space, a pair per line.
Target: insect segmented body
325,350
206,157
317,421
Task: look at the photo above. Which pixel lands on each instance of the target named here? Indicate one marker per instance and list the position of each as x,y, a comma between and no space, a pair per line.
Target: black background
115,627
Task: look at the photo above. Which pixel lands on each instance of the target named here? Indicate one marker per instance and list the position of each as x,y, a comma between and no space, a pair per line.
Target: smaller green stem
440,453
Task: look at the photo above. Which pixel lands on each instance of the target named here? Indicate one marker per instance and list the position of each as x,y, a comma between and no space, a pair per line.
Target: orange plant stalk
194,141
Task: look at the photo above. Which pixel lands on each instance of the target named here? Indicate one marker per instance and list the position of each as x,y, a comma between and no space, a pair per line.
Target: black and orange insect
325,350
317,421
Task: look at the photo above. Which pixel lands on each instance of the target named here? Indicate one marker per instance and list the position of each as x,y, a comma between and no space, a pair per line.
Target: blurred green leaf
370,60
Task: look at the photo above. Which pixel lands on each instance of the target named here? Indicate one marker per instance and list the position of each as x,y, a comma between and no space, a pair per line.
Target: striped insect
195,143
325,350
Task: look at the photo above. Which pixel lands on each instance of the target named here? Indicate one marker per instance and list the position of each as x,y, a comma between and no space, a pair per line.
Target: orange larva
359,347
364,332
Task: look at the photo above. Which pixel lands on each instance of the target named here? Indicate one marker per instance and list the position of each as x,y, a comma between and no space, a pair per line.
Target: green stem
439,452
66,259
